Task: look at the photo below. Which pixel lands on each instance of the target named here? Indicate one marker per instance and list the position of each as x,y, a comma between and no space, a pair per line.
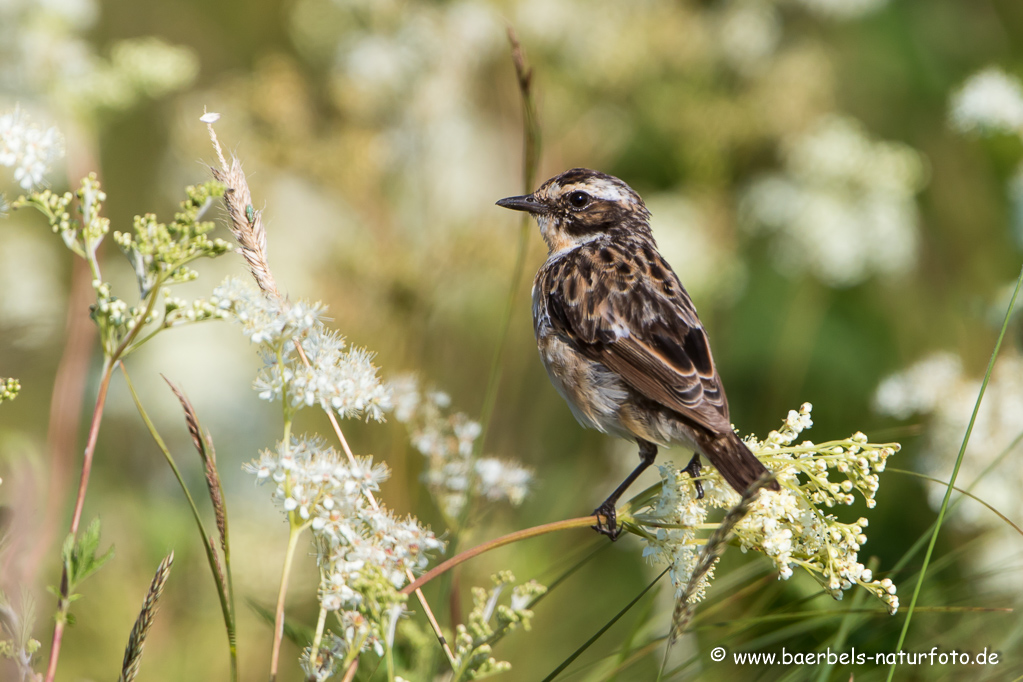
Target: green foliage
80,561
160,253
489,621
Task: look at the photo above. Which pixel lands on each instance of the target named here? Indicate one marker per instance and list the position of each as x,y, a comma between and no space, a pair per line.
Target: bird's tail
733,460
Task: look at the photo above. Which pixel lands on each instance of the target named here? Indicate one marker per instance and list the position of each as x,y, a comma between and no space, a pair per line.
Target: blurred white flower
938,387
693,246
447,440
920,388
989,101
28,149
844,208
749,32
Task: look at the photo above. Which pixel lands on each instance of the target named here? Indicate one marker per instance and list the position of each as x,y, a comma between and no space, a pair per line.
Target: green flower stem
955,472
581,522
224,591
295,532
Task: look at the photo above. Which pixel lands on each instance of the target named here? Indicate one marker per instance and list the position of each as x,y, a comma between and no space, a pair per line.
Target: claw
609,526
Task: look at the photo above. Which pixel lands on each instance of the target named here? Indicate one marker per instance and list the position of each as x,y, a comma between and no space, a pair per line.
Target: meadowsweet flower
787,526
990,101
447,442
844,208
364,552
27,148
336,378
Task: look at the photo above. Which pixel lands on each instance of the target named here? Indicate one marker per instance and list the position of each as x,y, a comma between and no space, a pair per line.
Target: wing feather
628,310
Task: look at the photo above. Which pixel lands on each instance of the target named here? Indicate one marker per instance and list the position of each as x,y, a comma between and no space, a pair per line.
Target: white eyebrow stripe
602,190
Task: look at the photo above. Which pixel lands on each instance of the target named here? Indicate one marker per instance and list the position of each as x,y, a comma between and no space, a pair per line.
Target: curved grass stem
581,522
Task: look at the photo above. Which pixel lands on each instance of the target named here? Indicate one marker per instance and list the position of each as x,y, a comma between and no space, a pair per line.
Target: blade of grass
973,497
211,552
607,626
296,633
955,473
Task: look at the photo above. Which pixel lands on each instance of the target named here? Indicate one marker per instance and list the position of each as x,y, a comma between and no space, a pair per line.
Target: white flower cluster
788,526
447,440
844,208
28,149
364,551
990,101
336,377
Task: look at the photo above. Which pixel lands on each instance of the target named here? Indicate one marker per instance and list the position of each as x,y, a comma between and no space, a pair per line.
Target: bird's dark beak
526,203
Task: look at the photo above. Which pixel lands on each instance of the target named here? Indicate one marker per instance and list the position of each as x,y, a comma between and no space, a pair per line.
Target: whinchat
620,337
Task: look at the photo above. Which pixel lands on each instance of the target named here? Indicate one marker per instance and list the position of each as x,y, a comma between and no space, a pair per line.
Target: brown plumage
618,334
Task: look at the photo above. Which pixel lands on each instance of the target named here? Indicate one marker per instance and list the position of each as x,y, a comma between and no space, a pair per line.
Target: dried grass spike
246,223
191,419
710,555
137,639
204,444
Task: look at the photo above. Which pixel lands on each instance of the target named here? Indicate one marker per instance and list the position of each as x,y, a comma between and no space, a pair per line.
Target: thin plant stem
530,162
321,622
90,447
224,593
955,472
535,531
296,531
350,673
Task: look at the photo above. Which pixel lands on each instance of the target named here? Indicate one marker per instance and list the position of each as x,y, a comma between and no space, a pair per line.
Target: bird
619,335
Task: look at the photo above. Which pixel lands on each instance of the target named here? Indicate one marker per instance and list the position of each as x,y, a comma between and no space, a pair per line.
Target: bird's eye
578,199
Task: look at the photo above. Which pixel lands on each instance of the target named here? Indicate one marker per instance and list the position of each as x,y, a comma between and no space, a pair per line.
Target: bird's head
580,205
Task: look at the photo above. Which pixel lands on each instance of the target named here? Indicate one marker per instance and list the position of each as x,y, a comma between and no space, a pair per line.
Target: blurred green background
378,134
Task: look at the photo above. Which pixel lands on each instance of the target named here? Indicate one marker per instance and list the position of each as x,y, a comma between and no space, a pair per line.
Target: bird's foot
607,520
693,469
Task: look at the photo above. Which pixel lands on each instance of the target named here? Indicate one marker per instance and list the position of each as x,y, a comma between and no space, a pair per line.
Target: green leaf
80,556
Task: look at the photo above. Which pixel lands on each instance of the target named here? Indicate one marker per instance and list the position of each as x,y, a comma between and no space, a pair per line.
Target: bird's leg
693,469
609,527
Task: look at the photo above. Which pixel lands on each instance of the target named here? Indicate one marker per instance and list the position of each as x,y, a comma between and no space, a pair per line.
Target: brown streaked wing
664,355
